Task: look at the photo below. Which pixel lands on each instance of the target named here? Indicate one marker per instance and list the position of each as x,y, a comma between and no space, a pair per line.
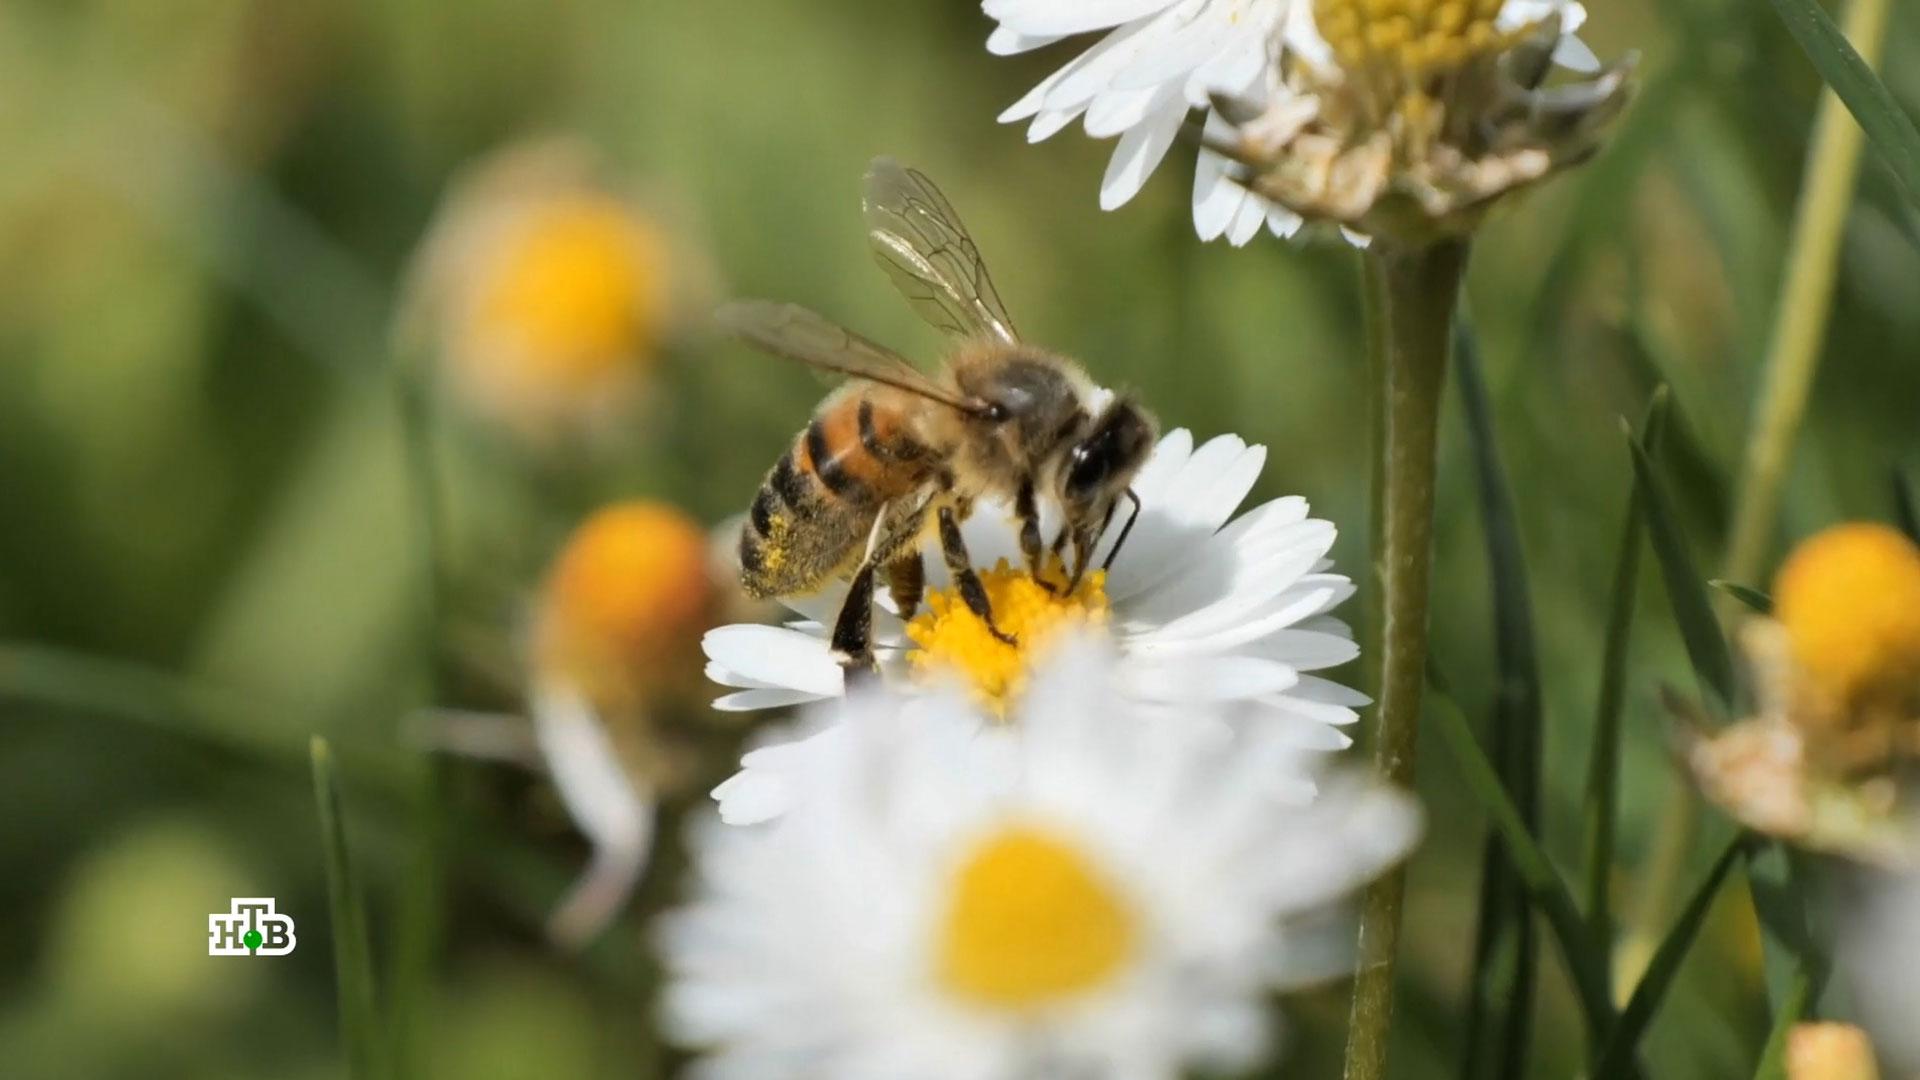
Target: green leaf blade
1888,128
352,954
1686,590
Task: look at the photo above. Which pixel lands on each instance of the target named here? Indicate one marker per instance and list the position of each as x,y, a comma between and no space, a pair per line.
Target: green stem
1806,300
1414,304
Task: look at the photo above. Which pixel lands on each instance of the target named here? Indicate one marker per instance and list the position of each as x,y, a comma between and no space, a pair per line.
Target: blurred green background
208,548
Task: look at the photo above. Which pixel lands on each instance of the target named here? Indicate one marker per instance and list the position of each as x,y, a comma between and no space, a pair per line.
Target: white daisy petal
775,656
1141,149
1006,42
1082,16
763,698
1246,222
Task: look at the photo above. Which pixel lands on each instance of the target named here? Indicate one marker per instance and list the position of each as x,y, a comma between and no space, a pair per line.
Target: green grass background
205,207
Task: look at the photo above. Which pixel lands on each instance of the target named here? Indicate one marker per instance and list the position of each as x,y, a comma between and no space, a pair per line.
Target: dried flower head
1406,119
1827,760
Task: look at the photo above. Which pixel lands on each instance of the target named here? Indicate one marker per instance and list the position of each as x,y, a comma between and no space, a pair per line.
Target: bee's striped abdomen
813,511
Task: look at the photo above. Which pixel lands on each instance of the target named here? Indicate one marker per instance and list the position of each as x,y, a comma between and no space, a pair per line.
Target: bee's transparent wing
918,238
793,332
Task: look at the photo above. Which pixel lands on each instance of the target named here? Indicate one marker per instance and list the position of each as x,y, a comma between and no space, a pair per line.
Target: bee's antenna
1124,529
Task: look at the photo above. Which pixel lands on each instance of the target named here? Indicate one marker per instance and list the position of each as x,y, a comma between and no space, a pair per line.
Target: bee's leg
1031,547
907,581
954,547
852,641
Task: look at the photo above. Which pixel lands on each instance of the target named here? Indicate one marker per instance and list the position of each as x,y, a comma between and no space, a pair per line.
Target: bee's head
1102,462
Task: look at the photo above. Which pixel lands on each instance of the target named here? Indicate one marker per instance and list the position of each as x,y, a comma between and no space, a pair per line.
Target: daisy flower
1096,891
612,639
1203,605
1161,59
545,294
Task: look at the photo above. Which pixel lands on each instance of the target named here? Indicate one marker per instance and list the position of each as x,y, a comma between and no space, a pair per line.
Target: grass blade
1686,589
1652,989
1773,1055
1890,130
1585,963
1501,1012
352,954
1906,509
1755,600
1600,809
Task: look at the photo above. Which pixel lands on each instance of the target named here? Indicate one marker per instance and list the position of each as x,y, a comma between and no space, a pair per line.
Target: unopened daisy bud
625,602
1849,598
546,294
1830,1051
1406,119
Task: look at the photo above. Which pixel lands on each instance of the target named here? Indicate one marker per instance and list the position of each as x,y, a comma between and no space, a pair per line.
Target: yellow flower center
1402,50
951,638
1031,920
1849,598
626,598
576,287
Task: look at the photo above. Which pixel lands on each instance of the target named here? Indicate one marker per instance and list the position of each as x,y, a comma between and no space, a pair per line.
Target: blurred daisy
1161,59
1829,1050
1826,761
546,295
613,637
1096,891
1203,607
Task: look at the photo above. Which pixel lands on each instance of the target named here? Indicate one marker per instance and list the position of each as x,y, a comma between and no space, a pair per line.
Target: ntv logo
250,929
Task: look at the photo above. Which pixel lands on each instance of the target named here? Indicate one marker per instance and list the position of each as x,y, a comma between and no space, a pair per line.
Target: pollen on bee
951,639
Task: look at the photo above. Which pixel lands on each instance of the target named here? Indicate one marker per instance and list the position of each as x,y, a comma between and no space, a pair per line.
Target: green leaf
1585,962
1773,1054
1753,598
1890,130
1686,590
1906,508
1499,1026
1648,995
1600,809
352,955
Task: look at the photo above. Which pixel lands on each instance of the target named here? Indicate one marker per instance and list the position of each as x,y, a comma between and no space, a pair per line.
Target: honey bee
896,455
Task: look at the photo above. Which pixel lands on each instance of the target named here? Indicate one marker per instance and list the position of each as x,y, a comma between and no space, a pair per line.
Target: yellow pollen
1402,50
576,287
951,638
1031,920
1849,598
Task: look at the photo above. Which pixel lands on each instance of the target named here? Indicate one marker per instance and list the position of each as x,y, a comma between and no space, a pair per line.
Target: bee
897,456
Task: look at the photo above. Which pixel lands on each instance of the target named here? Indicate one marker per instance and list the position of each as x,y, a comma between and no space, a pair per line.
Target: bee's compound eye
995,412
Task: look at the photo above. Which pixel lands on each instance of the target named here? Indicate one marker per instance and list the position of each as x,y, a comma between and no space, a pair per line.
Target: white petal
1141,149
1216,678
1283,222
762,698
775,656
602,800
1315,688
1307,650
1246,222
1117,110
1006,42
1575,55
1176,54
1216,195
1078,17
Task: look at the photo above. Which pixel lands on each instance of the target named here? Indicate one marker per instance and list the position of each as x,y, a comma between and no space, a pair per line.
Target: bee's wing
918,238
796,333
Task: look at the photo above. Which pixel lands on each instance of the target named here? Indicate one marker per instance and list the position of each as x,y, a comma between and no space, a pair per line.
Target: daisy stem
1412,310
